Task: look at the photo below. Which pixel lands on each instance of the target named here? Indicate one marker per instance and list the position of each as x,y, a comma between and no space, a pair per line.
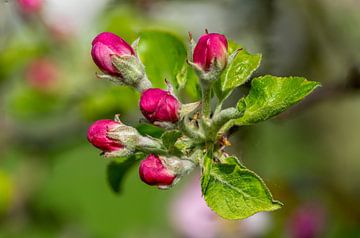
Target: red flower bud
30,6
97,135
210,47
42,74
159,105
104,46
153,172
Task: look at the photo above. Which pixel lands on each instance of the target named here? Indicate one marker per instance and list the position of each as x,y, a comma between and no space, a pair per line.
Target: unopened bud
162,171
158,105
98,135
116,58
211,53
153,172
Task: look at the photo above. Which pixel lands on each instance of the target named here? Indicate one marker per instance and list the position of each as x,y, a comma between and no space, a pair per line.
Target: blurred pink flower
30,6
42,74
191,216
307,221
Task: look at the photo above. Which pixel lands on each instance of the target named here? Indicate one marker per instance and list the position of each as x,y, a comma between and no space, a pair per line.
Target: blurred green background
53,182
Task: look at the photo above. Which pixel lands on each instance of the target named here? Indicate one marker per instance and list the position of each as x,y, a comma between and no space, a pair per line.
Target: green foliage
235,192
270,95
5,191
237,72
206,169
27,103
105,102
164,56
169,138
117,170
148,129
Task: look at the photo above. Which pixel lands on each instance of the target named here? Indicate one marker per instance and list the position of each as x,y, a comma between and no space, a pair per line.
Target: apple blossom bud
164,172
30,6
118,60
158,105
98,135
42,74
104,46
211,51
153,172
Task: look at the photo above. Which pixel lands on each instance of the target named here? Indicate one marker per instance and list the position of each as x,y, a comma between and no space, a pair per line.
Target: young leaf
233,160
237,72
169,138
117,170
235,192
164,56
150,130
270,95
206,169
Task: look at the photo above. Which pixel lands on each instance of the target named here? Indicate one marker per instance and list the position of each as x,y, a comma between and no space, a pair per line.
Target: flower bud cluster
165,163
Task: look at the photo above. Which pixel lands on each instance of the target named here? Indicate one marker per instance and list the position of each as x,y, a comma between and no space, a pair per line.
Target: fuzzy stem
226,127
143,84
206,98
150,145
224,116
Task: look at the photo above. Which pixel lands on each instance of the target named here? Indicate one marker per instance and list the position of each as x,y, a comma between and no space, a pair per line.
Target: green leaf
169,138
150,130
164,56
116,171
237,72
270,95
235,192
233,160
206,169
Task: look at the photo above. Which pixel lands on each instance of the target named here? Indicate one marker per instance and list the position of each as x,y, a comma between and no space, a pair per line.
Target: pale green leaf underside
270,95
235,192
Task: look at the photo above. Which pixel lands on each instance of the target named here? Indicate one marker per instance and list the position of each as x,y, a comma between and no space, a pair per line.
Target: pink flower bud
104,46
210,47
153,172
42,74
30,6
97,135
159,105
